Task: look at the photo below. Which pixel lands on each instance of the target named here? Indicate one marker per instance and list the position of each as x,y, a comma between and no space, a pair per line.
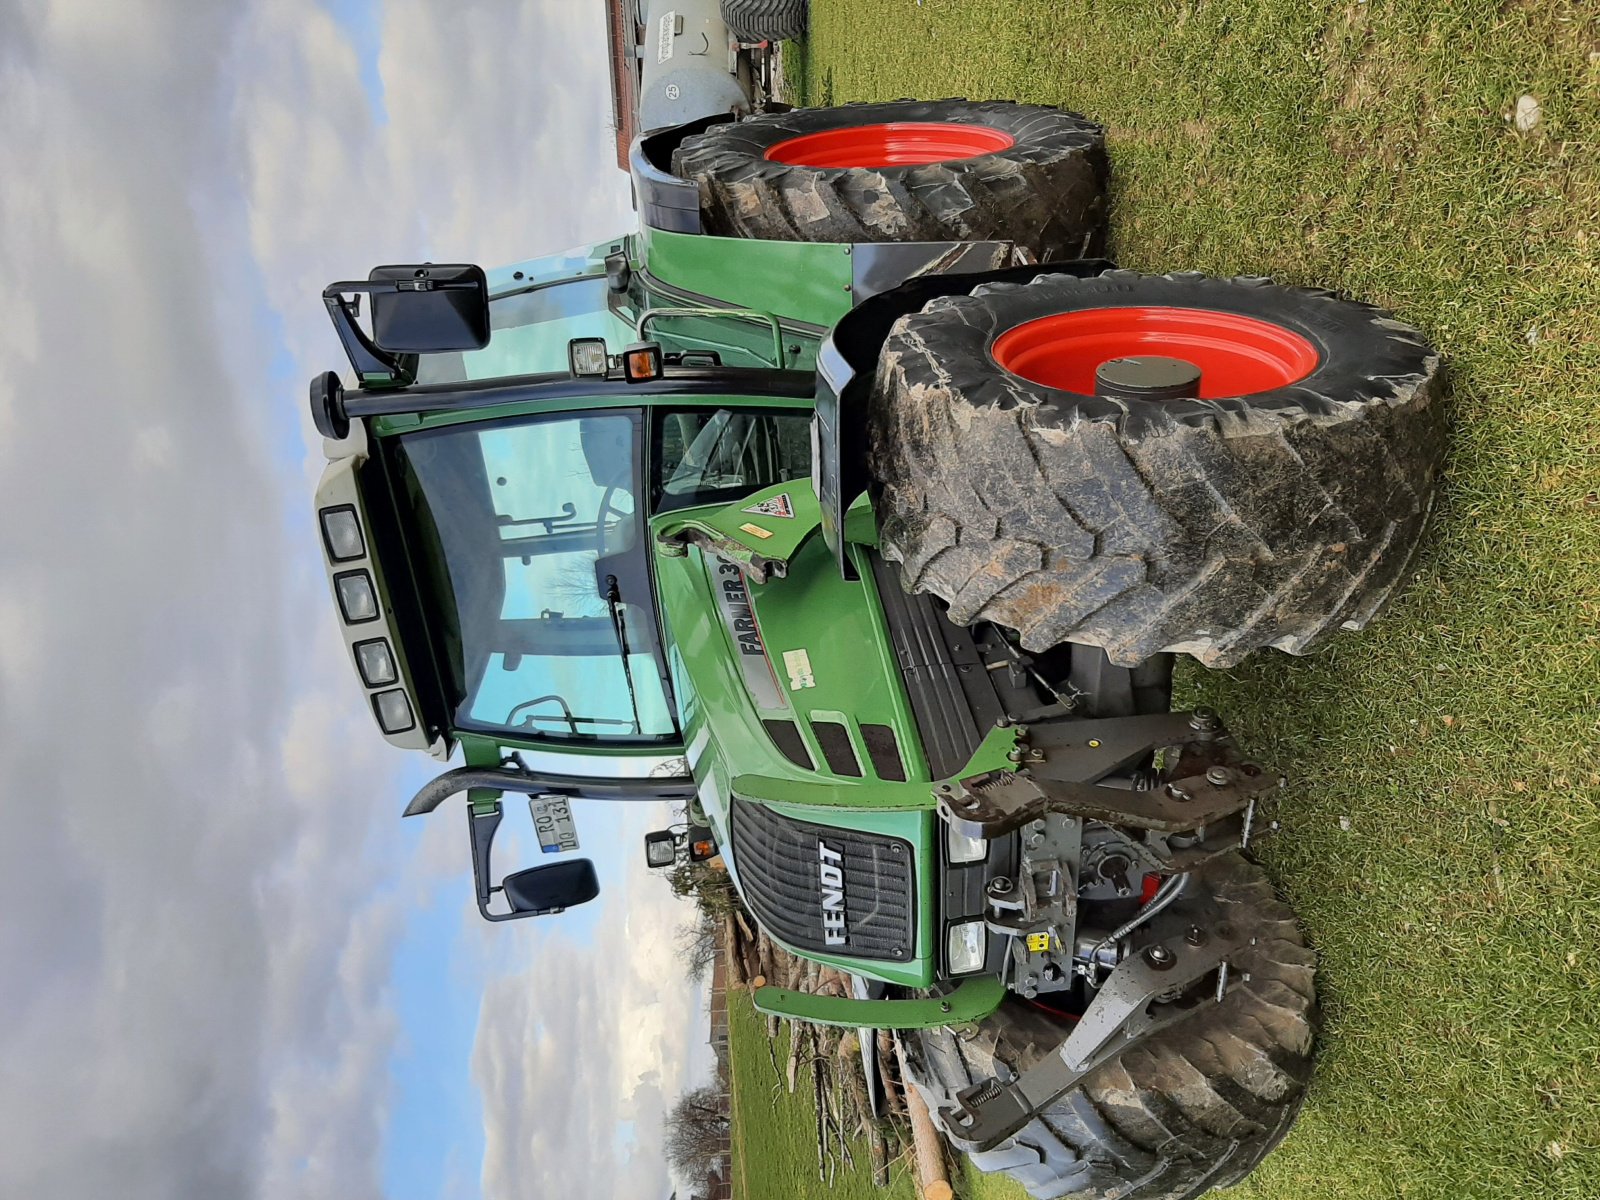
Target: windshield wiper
619,622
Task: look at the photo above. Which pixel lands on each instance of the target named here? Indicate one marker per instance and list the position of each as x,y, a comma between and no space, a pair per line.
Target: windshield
535,547
529,332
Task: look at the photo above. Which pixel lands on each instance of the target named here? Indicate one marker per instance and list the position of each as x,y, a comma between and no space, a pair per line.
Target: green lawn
774,1133
1442,838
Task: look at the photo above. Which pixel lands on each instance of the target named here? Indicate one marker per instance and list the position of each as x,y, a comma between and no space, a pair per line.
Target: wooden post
931,1176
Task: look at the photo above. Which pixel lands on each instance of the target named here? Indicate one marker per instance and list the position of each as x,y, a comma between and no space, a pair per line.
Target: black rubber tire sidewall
766,20
1208,527
1193,1107
1046,191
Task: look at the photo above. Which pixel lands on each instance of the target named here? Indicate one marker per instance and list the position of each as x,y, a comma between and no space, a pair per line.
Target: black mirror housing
430,309
551,888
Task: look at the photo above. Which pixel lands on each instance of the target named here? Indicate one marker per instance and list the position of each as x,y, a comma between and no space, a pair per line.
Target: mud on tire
1193,1107
1046,190
1211,526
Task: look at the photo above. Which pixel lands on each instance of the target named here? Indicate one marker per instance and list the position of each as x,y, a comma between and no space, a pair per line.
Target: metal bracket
1061,764
1138,999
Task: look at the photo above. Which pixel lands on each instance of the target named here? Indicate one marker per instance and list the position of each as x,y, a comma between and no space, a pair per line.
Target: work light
394,711
357,601
375,662
587,356
341,534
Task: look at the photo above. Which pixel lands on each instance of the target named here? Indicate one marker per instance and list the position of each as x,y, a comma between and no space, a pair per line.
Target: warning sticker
778,506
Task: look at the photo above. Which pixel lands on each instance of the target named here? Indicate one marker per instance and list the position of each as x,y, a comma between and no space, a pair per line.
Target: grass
774,1132
1442,838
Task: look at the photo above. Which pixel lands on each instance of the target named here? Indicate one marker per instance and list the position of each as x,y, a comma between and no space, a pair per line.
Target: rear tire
1210,527
1191,1108
1032,174
766,20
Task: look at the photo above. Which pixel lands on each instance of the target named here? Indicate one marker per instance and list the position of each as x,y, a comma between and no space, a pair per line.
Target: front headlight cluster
345,543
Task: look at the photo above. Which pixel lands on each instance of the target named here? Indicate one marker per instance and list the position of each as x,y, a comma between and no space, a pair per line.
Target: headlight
357,600
341,533
587,356
964,849
966,947
376,663
394,711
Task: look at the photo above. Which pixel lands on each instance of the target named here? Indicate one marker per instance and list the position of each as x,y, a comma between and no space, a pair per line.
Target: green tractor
853,504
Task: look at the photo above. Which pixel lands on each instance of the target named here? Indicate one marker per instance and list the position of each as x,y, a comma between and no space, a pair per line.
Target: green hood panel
808,655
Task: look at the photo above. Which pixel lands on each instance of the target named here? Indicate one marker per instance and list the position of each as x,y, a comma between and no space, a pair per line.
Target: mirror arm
364,355
507,779
481,829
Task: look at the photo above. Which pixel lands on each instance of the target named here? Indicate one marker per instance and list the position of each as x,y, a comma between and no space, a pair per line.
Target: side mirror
536,892
551,888
430,309
420,309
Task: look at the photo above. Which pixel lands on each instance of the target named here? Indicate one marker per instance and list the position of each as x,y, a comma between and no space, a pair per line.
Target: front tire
906,171
1194,1107
1284,503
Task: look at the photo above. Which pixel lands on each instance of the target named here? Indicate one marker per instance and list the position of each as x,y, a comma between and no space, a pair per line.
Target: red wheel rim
1237,355
900,144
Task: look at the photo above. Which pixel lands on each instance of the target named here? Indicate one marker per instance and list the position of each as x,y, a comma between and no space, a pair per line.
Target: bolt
1159,957
1003,723
1203,719
1219,776
944,1006
1176,792
1035,755
1000,886
1030,986
1036,826
896,848
1195,936
1035,840
1014,756
1094,743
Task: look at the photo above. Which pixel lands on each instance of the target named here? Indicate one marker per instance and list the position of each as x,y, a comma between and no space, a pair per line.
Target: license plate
552,819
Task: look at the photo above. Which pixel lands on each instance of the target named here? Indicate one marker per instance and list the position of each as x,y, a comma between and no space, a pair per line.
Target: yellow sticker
755,531
1038,943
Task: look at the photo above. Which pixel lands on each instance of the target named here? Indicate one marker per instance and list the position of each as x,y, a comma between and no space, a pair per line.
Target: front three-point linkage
1198,805
1201,803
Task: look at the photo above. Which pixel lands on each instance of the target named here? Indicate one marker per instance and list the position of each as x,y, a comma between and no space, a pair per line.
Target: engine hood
791,698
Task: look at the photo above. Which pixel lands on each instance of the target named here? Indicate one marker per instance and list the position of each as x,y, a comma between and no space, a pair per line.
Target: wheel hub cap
1235,355
899,144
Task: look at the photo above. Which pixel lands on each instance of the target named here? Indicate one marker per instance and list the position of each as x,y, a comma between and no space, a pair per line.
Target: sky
226,967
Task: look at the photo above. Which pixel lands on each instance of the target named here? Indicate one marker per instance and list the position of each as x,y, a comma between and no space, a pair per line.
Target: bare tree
697,1131
697,945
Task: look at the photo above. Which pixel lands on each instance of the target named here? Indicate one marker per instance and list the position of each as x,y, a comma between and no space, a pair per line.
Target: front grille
780,864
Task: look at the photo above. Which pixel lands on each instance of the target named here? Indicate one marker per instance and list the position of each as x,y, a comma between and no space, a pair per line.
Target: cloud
580,1042
202,880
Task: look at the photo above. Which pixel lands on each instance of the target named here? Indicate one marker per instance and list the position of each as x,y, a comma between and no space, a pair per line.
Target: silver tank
690,66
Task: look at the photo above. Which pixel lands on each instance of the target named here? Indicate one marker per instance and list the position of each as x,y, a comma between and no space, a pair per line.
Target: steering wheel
606,509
